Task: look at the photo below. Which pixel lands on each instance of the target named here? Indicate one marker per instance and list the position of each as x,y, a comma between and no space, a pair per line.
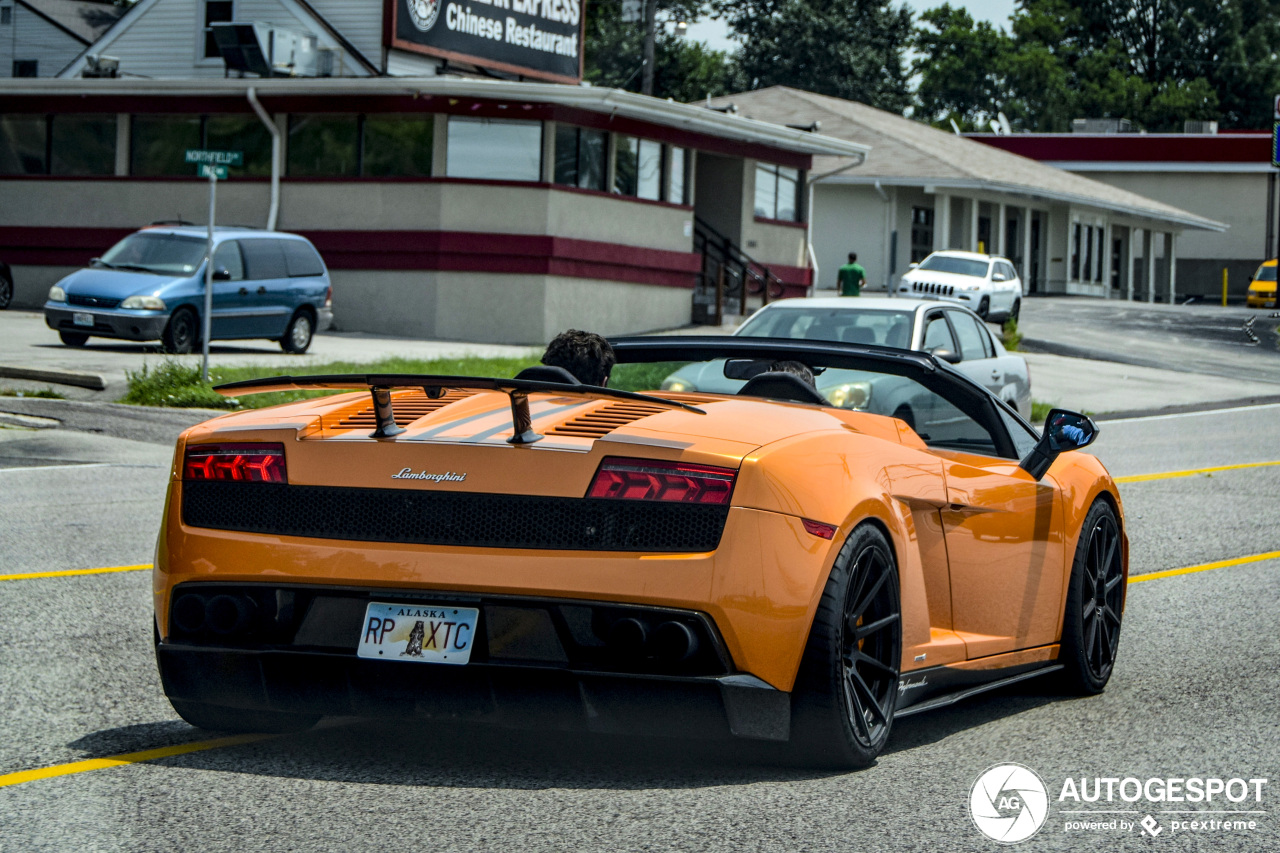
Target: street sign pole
208,279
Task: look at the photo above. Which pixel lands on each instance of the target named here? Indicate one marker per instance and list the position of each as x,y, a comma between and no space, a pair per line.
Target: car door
1005,537
230,316
267,287
977,354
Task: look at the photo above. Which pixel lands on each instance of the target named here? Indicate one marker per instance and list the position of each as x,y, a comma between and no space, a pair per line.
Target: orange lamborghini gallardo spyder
537,552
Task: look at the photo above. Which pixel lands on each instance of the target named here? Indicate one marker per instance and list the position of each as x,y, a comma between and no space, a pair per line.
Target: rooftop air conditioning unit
1203,127
329,62
1101,125
265,50
97,65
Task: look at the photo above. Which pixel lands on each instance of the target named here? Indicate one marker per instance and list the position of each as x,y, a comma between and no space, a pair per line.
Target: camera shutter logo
423,13
1009,803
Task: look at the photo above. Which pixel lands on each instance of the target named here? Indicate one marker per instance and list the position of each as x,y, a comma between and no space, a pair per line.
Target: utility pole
650,44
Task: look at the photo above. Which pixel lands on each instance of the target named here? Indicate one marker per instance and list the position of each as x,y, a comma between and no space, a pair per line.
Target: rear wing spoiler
380,386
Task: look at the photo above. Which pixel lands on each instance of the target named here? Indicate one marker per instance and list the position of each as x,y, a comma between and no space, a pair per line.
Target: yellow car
1262,290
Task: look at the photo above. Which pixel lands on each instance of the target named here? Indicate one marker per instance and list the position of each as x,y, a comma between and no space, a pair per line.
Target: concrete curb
92,381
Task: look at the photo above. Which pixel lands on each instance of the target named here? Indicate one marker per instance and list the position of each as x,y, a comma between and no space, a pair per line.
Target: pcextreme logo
1008,803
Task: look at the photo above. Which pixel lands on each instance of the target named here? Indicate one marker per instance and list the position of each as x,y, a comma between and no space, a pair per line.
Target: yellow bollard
1224,287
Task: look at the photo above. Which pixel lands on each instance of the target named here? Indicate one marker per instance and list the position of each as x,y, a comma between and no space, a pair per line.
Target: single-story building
922,189
446,207
1224,176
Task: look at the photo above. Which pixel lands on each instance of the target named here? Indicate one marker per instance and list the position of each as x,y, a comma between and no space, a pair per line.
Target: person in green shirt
851,277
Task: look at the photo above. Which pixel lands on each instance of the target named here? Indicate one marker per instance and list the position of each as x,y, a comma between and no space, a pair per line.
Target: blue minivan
150,286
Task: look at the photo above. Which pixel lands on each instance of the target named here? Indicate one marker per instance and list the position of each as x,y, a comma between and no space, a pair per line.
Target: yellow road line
69,572
1169,475
128,758
1205,567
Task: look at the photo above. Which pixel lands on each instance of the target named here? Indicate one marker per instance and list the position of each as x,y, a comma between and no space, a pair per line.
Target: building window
921,233
1097,270
1075,252
637,168
1088,253
215,12
83,145
26,68
160,143
244,133
581,157
494,149
397,145
24,145
324,146
6,16
777,192
678,181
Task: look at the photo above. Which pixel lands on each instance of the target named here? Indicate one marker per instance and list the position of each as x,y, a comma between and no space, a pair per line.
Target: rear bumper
324,319
513,696
107,323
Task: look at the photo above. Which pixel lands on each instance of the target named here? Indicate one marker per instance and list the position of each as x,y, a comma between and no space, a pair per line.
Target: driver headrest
778,385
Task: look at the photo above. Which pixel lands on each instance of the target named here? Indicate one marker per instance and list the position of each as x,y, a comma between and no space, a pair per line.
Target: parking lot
96,759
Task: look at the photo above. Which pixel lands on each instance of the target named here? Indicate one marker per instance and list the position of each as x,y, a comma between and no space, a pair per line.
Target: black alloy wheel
1095,604
1016,310
73,339
984,308
6,289
847,687
182,332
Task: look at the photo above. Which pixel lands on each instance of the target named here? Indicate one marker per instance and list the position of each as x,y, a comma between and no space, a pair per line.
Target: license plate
82,319
418,633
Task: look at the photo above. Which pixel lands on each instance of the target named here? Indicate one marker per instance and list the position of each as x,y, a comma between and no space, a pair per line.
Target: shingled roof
908,152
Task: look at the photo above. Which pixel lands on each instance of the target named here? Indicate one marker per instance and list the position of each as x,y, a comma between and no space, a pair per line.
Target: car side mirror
944,354
912,266
221,274
1063,430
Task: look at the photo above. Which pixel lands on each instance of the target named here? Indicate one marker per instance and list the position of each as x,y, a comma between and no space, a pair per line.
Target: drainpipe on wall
808,225
273,214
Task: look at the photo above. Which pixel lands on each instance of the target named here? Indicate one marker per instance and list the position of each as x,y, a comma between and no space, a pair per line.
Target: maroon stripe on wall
1136,148
453,251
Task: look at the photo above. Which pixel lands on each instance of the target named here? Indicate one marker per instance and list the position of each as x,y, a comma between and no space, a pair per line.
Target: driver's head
586,355
796,369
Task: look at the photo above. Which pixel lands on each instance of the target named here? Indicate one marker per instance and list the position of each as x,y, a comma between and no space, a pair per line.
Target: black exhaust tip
189,613
228,614
628,637
674,642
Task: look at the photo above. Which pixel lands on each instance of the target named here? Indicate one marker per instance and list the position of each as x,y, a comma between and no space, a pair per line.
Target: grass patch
43,393
1040,410
176,384
1010,336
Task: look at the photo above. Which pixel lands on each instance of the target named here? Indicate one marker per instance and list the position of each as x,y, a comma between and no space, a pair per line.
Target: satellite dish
955,127
1004,123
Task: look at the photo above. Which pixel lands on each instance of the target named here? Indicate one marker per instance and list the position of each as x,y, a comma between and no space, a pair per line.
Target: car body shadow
105,345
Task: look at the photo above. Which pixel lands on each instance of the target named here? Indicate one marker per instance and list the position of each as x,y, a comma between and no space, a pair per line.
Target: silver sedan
951,332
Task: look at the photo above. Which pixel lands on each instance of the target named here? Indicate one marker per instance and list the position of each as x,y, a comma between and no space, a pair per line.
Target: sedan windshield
958,266
156,253
844,325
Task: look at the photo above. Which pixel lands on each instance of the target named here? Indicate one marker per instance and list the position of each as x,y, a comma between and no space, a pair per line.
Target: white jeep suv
986,284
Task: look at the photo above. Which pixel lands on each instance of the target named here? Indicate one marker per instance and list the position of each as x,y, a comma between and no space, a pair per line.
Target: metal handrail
731,272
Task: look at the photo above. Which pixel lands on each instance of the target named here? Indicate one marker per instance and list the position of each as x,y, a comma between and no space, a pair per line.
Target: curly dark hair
796,369
586,355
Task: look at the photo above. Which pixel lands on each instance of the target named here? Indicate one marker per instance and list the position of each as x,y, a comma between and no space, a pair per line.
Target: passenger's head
586,355
796,369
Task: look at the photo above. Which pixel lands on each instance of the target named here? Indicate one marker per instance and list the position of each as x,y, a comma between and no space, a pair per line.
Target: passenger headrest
547,373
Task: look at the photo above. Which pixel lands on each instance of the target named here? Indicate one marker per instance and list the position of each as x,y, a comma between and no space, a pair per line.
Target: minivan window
1265,273
301,259
263,259
148,251
227,257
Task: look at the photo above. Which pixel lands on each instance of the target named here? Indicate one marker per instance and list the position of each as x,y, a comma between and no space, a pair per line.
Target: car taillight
253,463
654,480
818,528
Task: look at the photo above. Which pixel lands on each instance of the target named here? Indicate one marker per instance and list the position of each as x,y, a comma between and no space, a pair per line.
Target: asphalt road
1194,693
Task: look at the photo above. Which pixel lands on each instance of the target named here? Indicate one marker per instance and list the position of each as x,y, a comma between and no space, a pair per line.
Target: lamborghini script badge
410,474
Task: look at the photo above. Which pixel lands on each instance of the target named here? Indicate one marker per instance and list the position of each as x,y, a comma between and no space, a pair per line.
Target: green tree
962,68
845,48
684,70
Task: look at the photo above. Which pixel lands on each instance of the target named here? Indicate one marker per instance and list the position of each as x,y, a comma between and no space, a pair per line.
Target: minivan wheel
181,333
298,336
74,339
984,308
